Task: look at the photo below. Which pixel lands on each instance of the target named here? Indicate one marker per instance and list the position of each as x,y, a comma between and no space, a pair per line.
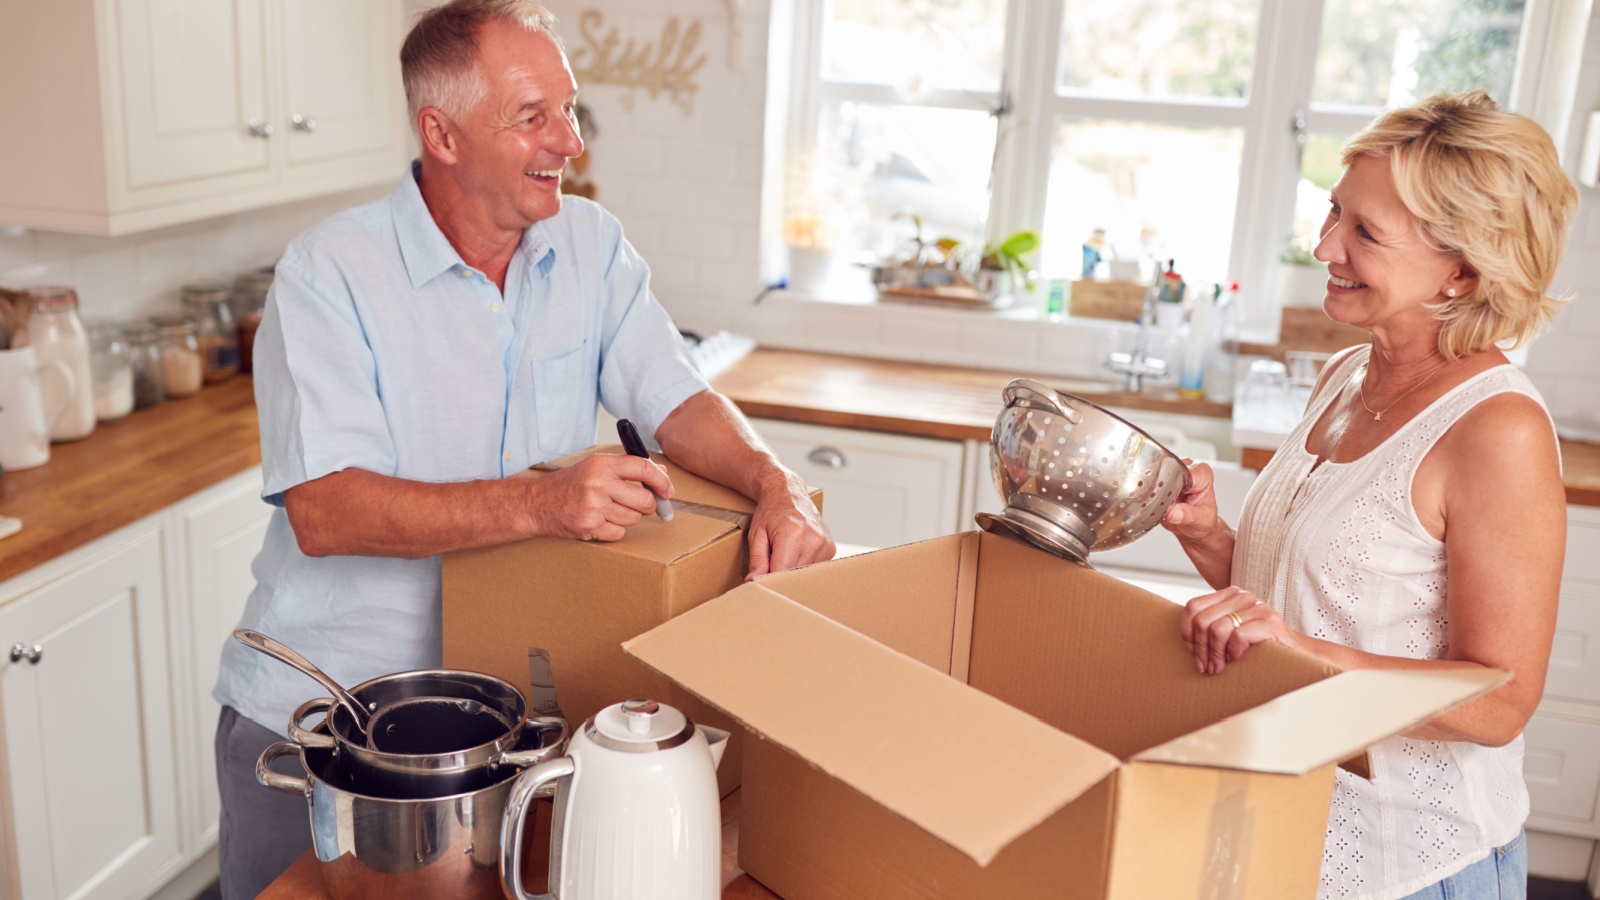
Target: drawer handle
261,130
32,654
827,457
303,123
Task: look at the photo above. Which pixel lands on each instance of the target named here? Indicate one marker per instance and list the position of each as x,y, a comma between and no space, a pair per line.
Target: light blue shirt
381,350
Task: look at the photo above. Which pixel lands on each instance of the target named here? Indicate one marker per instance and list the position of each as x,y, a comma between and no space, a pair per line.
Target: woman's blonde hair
438,61
1485,185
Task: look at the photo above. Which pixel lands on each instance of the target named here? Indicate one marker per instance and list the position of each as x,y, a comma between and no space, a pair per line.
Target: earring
1449,292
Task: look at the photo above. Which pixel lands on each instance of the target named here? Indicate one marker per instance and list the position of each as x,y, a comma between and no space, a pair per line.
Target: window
1206,133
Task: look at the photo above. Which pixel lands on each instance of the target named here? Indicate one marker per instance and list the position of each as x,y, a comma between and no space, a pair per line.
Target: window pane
915,44
1389,53
873,162
1158,47
1319,169
1157,191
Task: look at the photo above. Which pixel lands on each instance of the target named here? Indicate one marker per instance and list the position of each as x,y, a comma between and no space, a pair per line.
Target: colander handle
1034,395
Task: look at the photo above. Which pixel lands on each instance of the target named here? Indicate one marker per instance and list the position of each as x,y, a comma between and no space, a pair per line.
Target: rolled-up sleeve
315,383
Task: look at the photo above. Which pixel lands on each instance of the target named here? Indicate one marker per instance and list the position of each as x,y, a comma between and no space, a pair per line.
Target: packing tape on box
1227,840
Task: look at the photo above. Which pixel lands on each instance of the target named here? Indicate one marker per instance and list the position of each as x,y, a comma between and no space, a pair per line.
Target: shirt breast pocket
564,402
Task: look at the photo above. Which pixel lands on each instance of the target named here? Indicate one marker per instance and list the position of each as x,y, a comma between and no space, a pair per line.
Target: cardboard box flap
963,766
1327,721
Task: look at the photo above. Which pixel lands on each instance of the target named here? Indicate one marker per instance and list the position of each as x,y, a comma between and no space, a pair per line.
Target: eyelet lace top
1338,551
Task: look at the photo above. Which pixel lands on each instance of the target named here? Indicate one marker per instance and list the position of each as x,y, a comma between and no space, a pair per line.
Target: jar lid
103,327
53,297
174,324
205,292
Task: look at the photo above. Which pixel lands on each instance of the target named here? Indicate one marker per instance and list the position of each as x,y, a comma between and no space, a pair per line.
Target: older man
417,350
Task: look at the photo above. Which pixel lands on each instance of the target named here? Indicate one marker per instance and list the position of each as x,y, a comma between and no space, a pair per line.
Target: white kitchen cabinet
217,534
90,801
126,115
878,489
1562,765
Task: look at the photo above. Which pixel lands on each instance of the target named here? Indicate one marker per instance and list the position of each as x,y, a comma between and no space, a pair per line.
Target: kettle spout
718,741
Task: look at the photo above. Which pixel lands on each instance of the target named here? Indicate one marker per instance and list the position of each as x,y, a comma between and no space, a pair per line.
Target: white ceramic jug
24,423
637,813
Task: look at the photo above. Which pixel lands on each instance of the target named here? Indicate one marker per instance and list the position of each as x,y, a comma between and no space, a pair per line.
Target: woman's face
1381,271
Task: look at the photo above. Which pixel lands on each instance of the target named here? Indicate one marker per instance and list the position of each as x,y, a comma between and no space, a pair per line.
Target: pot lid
640,726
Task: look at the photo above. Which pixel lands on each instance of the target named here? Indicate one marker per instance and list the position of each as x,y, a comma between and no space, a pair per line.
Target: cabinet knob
303,123
20,652
827,457
261,130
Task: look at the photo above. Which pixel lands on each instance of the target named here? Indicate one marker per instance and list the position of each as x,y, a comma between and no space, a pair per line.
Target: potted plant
1003,266
1304,279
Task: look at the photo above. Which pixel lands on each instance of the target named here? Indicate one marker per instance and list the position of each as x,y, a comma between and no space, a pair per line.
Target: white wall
688,189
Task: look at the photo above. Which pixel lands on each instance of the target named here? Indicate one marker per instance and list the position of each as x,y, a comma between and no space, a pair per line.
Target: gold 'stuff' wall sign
665,66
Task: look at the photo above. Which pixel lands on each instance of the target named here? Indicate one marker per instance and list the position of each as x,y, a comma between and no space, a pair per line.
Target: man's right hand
597,498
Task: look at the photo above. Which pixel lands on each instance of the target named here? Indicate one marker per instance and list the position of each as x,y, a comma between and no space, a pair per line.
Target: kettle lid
640,726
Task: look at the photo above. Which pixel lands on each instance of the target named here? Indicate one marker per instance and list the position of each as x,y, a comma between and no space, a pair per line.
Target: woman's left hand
1219,627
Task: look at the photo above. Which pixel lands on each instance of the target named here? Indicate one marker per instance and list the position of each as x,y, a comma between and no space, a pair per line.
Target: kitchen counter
151,459
127,470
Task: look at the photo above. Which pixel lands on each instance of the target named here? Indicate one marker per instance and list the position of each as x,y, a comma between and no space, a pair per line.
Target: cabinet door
88,726
221,533
878,490
342,78
193,82
1562,768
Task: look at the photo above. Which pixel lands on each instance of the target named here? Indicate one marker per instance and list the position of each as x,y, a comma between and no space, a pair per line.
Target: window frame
1283,71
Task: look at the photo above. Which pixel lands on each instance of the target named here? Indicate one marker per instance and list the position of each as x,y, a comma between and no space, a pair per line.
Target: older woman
1415,518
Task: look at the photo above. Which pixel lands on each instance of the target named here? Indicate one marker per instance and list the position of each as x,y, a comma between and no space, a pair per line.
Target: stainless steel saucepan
454,724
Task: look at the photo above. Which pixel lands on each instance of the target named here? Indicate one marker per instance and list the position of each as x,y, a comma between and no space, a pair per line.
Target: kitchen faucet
1137,366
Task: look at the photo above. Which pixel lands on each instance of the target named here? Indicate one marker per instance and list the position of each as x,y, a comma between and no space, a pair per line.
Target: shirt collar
427,252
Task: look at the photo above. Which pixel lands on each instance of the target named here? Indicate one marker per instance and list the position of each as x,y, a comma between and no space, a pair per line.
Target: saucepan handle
279,782
516,816
524,758
305,736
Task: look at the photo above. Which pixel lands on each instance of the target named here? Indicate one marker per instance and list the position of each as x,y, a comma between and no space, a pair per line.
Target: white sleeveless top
1338,551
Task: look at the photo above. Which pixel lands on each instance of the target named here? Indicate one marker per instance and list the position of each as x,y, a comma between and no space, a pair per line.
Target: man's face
517,140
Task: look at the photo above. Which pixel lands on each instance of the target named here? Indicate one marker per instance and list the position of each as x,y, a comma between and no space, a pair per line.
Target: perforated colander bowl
1076,477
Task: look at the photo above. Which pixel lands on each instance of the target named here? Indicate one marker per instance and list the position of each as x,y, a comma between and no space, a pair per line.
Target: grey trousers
262,831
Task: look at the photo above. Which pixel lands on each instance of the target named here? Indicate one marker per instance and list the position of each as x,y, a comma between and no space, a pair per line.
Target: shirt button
494,307
466,272
508,457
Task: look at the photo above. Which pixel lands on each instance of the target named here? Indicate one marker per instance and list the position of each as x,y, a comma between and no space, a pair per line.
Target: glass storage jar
181,367
113,371
149,369
249,300
207,304
57,334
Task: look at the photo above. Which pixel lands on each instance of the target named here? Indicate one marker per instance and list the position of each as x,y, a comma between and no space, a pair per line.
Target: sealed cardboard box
550,614
970,717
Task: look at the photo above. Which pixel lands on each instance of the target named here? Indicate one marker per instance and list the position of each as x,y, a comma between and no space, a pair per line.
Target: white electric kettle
637,814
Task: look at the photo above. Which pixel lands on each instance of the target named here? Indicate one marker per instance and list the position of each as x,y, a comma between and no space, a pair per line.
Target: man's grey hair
438,60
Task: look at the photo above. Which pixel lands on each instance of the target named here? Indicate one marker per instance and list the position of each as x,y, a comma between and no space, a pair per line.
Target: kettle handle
515,817
278,782
304,736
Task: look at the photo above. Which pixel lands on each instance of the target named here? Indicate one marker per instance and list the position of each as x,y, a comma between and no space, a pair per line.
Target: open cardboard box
557,609
970,717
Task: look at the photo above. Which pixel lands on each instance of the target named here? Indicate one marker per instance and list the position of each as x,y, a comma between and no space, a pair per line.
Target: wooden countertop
127,470
906,398
153,458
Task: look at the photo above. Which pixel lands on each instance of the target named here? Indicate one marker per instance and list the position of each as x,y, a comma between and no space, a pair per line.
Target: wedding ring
1237,619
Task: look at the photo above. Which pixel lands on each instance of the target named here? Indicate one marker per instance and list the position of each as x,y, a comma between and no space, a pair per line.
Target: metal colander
1076,478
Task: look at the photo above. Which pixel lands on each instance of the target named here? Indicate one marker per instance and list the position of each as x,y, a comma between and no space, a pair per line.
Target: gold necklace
1377,414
